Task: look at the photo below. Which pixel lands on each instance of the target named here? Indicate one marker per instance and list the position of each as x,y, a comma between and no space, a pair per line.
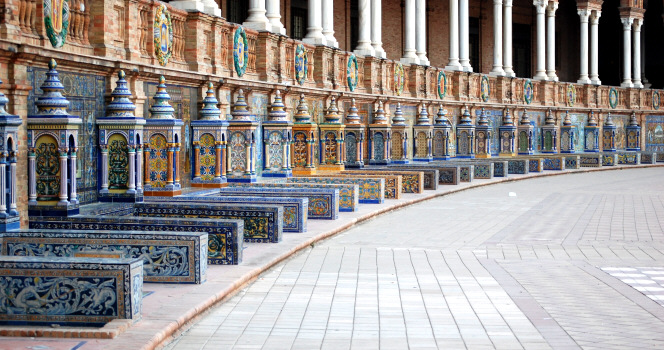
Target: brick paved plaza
560,262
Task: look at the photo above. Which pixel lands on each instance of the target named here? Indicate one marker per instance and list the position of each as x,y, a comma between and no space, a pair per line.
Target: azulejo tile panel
466,173
484,171
224,247
629,158
518,166
535,165
295,209
648,158
609,159
370,189
85,93
158,161
262,223
411,181
500,168
572,162
590,160
553,163
208,157
323,202
33,290
654,133
168,257
429,172
349,195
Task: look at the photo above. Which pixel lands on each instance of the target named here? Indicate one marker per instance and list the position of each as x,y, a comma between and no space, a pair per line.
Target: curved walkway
574,261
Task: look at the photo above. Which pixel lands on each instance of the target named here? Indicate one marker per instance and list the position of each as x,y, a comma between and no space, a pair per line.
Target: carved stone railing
79,22
27,11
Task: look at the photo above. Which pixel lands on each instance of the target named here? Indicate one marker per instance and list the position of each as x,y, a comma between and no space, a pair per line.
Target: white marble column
139,168
627,51
637,52
507,38
206,6
63,178
364,47
131,187
377,28
409,53
13,209
32,178
104,169
3,186
454,36
464,36
257,19
421,31
551,41
73,197
328,22
315,30
274,17
584,14
594,52
498,38
540,7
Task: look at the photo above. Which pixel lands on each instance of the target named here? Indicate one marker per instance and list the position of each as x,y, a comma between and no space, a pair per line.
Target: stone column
584,14
206,6
364,47
139,168
551,41
104,169
247,165
73,197
637,53
421,31
315,30
131,187
627,54
594,55
454,36
540,7
328,23
257,19
284,155
464,36
146,165
3,186
274,17
32,178
377,28
63,178
409,52
217,160
507,38
497,38
197,160
13,209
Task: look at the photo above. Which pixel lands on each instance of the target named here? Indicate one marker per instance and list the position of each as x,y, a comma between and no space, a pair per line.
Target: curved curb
159,339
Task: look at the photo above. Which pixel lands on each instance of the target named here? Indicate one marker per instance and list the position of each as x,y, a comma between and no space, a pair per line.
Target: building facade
579,59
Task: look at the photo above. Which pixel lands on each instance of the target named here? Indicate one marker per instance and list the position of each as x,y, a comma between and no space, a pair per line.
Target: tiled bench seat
323,202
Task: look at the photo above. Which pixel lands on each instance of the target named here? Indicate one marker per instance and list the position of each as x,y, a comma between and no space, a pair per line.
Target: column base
541,76
260,26
331,40
468,68
278,30
595,81
509,72
626,84
497,72
192,5
583,81
402,161
320,40
365,51
277,173
453,65
304,171
379,51
552,76
410,60
638,85
424,61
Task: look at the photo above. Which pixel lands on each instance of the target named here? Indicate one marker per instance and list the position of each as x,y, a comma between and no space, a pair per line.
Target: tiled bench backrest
295,209
168,257
430,174
648,158
224,243
349,195
101,290
323,202
630,158
592,160
411,181
392,183
371,189
263,223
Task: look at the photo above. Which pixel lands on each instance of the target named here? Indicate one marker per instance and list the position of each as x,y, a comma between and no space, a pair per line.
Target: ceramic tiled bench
295,209
349,195
535,165
648,158
224,245
168,257
518,166
392,188
500,168
323,202
69,291
659,157
609,159
263,223
629,158
411,181
371,189
430,174
553,162
572,161
468,167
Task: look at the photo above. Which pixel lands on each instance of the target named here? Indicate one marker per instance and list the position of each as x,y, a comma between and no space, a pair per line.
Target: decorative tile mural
85,93
184,100
654,133
621,121
208,157
495,118
579,122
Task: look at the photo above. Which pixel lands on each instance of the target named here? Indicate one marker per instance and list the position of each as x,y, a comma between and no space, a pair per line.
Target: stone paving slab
463,278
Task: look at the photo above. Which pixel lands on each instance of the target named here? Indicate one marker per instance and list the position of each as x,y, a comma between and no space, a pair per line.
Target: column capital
540,5
551,8
626,22
638,22
497,2
507,3
594,17
584,14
